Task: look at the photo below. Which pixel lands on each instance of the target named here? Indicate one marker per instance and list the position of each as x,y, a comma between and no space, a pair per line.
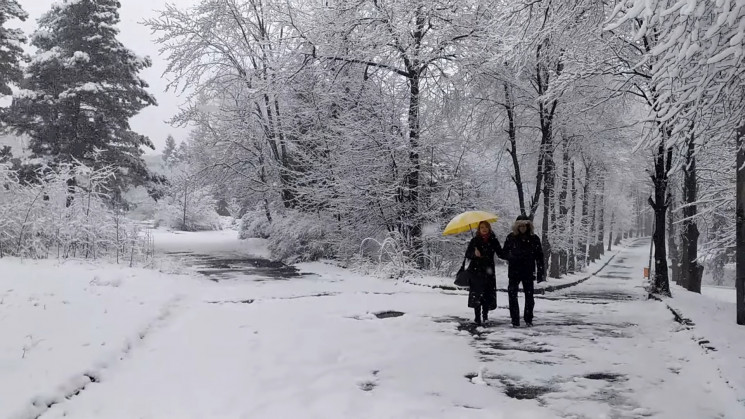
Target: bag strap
463,265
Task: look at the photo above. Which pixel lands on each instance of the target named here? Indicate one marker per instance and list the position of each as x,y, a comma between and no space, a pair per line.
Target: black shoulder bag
462,278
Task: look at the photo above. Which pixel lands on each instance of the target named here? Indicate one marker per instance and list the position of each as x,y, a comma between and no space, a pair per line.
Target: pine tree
80,90
10,45
169,151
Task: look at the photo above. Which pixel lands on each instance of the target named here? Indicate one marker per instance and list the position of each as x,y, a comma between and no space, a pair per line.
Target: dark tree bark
740,261
548,207
691,271
660,203
585,224
512,135
638,212
565,228
412,225
672,234
601,218
594,224
571,229
610,233
546,112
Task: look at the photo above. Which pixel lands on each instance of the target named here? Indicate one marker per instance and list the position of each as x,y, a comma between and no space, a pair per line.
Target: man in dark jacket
522,250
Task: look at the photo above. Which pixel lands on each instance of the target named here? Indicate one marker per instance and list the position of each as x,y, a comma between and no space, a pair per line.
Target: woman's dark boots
478,316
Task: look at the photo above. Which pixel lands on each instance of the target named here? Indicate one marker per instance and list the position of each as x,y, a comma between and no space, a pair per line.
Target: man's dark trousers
512,287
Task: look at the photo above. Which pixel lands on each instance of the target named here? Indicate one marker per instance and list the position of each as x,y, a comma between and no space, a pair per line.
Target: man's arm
538,252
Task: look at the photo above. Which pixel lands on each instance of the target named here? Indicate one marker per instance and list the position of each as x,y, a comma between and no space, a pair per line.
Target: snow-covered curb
542,288
711,324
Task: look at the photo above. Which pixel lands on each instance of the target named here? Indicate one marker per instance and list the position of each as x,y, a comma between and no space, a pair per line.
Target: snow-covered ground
726,294
103,341
222,242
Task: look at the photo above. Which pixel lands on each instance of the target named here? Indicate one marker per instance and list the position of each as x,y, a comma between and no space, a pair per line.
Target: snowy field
244,339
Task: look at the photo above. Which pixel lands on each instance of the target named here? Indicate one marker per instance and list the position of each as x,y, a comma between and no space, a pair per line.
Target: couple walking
522,251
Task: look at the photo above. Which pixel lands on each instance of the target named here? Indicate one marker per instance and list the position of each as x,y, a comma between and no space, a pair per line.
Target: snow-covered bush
299,237
254,224
388,257
65,213
189,201
193,210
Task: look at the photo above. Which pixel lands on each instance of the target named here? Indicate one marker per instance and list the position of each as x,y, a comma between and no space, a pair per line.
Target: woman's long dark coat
483,284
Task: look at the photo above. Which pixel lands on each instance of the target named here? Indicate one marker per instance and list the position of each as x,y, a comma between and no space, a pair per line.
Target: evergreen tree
80,90
10,45
168,152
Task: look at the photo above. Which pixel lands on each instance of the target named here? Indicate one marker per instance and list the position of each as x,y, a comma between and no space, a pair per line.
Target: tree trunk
546,112
610,233
637,213
584,222
740,275
563,212
601,220
548,187
553,258
691,270
183,221
571,229
512,135
413,220
412,224
661,283
675,255
278,151
593,228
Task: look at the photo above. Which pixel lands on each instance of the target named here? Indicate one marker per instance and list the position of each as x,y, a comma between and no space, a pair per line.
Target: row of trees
393,116
692,58
384,118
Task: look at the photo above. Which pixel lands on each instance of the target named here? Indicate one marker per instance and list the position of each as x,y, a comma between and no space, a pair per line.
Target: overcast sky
151,120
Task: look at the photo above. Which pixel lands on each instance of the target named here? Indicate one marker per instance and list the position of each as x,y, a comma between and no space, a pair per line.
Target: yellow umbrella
468,221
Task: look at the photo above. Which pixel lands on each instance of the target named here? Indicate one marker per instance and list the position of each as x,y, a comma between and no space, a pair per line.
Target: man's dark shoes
515,324
529,324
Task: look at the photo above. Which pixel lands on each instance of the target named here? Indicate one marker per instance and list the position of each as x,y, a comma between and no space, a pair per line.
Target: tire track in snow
42,403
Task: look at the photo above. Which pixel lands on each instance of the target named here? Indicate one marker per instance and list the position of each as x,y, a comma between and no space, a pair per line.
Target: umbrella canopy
467,221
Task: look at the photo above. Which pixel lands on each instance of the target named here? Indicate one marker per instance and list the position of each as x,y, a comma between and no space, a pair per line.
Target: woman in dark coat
482,295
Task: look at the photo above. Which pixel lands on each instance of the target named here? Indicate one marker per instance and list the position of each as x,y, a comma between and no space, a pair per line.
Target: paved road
601,349
274,343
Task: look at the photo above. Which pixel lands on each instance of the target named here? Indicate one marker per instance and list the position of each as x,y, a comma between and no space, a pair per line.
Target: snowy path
337,345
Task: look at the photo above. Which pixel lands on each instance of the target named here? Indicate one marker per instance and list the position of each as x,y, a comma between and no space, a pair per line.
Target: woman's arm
507,249
498,249
470,250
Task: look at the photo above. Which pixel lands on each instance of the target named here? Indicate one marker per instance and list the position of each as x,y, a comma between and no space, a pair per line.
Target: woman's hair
485,223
